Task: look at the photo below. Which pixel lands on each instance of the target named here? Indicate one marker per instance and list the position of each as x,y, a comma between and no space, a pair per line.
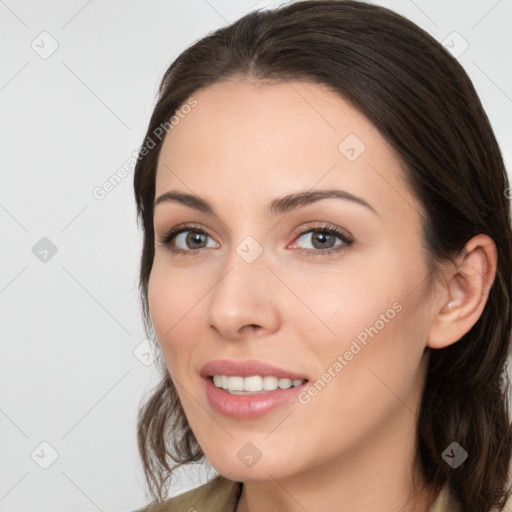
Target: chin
241,468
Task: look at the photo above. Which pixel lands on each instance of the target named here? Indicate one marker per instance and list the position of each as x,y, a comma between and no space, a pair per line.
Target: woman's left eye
322,240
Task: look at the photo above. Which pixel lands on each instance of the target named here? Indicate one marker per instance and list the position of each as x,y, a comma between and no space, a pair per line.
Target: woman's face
329,289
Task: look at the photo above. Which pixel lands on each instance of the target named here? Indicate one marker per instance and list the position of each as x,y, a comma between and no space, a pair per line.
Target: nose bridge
242,295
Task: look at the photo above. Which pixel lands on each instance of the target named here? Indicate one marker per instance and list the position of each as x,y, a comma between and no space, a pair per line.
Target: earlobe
464,292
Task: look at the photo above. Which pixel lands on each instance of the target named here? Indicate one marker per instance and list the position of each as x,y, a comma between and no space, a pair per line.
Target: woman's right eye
186,240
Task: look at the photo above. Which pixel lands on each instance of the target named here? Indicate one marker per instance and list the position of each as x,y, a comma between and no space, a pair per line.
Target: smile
254,384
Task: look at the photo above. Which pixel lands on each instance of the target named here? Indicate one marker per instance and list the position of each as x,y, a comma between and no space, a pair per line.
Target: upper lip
246,369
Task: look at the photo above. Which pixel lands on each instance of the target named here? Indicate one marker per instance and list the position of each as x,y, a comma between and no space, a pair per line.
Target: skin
351,448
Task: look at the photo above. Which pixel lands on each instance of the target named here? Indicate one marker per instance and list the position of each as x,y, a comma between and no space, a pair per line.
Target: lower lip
249,406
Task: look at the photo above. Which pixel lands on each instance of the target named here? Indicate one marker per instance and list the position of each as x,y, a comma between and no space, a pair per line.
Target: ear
462,294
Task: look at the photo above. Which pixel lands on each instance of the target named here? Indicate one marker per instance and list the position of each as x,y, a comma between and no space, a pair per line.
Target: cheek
175,313
377,319
382,347
369,288
361,385
355,297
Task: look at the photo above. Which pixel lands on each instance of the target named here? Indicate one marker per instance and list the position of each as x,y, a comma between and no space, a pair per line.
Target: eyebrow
277,206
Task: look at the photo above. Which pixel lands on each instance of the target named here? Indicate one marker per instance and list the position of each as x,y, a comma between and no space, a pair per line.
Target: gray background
73,360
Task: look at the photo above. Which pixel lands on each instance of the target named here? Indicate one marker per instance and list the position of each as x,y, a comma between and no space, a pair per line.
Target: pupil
322,238
195,238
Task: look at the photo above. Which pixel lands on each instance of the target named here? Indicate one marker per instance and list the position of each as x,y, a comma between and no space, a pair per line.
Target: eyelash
168,237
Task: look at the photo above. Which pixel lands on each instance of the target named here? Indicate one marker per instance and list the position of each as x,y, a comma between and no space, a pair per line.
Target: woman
327,269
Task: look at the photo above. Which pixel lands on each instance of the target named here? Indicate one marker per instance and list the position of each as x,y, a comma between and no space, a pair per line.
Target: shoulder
219,494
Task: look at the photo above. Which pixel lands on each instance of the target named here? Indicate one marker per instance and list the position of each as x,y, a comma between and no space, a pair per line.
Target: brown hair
423,103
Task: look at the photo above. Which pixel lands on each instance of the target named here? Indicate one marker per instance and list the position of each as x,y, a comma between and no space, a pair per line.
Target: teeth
285,383
270,383
254,384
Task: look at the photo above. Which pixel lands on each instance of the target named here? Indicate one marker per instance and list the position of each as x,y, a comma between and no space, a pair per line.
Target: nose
244,301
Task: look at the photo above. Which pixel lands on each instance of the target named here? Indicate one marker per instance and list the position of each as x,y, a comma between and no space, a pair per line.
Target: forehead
248,139
270,117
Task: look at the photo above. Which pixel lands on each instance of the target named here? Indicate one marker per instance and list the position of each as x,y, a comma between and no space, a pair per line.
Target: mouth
254,384
250,389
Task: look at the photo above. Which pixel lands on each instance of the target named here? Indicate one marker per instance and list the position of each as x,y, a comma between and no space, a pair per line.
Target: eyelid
347,240
323,226
180,228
